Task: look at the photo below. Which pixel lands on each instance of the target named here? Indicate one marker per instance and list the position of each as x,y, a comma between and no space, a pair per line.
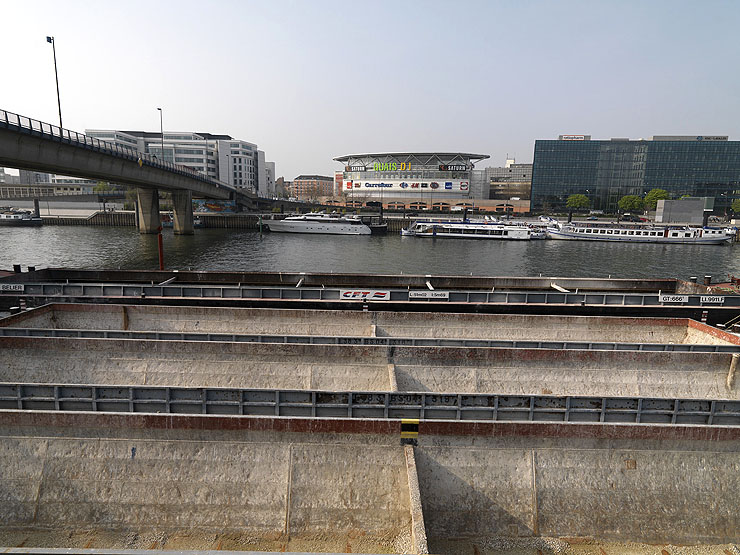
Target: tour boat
334,224
467,229
19,218
632,233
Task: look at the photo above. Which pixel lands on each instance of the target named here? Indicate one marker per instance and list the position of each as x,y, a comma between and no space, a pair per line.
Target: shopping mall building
414,180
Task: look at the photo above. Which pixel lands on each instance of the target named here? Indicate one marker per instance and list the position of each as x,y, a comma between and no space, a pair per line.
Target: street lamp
161,132
59,103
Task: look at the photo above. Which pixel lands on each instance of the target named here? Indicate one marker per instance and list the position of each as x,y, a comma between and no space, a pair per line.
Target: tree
103,187
736,206
576,202
653,196
630,203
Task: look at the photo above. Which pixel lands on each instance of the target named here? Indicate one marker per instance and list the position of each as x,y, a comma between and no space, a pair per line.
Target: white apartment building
233,161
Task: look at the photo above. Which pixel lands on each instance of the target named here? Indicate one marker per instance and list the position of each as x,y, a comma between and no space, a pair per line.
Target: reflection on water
217,249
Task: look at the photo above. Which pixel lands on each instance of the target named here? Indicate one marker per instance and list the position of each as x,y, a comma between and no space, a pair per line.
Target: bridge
29,144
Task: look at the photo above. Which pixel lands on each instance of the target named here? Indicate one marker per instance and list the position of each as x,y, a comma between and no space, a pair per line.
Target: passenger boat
19,218
469,229
631,233
334,224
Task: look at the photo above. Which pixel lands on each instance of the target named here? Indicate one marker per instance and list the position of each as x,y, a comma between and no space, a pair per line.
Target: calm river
217,249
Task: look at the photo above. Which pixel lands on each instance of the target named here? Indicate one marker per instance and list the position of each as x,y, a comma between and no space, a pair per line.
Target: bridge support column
148,210
182,210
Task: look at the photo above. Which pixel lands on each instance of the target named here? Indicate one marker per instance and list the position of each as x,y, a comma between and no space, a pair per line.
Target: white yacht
468,229
637,233
334,224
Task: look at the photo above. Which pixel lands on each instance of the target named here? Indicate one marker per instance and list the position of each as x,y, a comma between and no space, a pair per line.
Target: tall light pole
56,74
161,132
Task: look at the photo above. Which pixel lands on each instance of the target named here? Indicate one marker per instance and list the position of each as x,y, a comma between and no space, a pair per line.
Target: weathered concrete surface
418,530
245,365
363,368
267,487
523,486
538,371
369,324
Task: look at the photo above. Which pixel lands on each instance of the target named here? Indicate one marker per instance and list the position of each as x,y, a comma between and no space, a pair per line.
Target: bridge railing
10,120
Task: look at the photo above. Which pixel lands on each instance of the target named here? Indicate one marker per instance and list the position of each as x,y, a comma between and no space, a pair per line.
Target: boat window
497,232
506,232
602,231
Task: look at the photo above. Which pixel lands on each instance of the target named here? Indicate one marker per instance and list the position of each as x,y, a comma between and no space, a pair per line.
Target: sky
308,81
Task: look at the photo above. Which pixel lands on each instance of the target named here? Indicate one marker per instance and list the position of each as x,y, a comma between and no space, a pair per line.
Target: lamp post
161,132
56,75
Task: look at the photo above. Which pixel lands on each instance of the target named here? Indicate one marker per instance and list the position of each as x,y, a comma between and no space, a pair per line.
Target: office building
607,170
233,161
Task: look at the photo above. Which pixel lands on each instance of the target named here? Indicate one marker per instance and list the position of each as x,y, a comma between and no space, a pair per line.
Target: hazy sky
309,81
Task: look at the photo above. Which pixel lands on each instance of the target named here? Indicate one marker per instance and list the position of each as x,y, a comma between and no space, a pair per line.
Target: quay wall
372,324
208,221
365,368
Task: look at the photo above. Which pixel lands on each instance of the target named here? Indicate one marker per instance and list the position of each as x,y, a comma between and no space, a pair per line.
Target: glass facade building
605,171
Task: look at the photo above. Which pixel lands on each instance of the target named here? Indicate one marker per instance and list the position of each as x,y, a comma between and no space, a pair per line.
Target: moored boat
333,224
19,218
636,233
469,229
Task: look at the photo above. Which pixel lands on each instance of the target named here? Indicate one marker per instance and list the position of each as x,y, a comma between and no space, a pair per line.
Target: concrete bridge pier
182,210
148,210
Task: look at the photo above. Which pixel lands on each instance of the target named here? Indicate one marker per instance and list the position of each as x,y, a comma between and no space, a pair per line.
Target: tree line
632,203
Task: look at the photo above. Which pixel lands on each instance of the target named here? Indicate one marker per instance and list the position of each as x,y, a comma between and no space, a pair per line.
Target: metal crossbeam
366,341
133,290
369,405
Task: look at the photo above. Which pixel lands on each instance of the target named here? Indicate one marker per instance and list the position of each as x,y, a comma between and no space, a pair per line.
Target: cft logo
364,295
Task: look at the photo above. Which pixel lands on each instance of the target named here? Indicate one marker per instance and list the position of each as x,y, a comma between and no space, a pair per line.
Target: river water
223,249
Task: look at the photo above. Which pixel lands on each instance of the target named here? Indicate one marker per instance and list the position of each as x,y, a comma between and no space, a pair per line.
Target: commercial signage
364,295
572,137
445,187
715,138
391,166
453,168
429,295
354,168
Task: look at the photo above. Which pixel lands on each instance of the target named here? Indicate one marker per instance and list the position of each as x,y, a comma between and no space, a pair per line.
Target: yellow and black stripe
409,428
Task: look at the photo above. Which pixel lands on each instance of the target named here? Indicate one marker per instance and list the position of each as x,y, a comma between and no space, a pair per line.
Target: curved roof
420,154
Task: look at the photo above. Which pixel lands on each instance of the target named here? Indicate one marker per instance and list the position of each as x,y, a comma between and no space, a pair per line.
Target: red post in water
161,249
